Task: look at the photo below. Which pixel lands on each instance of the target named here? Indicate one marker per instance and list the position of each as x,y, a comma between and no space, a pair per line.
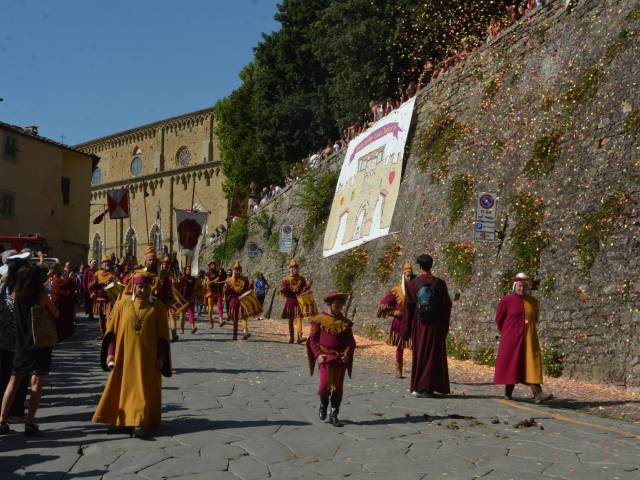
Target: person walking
189,288
391,305
136,350
291,287
262,287
8,331
214,281
28,359
236,285
88,277
102,304
63,296
331,345
519,357
425,321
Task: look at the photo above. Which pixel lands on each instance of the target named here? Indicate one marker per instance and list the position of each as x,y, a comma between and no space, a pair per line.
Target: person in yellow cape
102,302
291,287
234,287
136,350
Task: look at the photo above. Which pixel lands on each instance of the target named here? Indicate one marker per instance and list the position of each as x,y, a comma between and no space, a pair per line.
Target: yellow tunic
532,355
132,396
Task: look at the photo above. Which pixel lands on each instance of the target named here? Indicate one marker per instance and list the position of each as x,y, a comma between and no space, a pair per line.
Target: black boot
335,409
324,403
508,392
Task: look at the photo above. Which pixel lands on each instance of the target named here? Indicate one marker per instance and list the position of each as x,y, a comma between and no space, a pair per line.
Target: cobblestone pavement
247,410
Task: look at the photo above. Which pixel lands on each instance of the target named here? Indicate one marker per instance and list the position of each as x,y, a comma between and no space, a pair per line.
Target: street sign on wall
286,238
484,229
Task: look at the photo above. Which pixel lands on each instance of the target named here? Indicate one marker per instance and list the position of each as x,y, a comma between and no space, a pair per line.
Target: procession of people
137,308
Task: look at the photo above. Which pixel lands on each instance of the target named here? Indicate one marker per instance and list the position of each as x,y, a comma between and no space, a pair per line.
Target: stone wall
550,108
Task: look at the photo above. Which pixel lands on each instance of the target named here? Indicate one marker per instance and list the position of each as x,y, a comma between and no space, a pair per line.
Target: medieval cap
335,295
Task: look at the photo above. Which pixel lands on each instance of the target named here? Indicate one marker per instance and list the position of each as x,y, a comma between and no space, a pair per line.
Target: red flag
100,217
118,202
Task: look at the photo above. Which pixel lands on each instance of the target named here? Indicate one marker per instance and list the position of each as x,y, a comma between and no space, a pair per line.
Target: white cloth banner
190,229
369,183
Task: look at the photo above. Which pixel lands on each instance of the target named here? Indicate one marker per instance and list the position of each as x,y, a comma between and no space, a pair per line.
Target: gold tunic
132,396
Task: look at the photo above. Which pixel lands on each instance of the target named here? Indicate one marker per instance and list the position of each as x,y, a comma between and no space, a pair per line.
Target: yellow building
177,160
44,189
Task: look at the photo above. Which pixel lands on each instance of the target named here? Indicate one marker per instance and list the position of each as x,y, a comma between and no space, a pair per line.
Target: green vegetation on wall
266,223
386,263
457,348
435,145
459,257
459,196
552,362
546,151
485,356
236,238
350,268
315,197
596,228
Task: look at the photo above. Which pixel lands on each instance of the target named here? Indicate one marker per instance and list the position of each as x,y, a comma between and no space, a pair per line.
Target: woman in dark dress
8,331
28,359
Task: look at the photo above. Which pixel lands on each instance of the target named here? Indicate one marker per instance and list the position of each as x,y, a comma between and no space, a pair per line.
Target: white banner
190,229
369,183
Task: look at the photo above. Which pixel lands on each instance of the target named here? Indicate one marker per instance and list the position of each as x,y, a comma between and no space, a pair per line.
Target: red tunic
510,322
290,287
429,369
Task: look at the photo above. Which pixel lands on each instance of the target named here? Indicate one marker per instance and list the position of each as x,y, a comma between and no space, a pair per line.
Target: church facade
176,162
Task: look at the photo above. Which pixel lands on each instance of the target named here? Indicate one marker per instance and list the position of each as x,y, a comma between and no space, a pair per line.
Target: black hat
425,261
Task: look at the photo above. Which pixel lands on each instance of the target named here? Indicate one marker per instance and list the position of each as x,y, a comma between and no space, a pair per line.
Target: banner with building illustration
369,183
190,229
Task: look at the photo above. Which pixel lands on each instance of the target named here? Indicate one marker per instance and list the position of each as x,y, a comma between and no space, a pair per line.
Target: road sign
484,229
286,239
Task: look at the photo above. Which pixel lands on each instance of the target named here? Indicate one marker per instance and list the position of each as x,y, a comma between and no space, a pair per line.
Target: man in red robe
88,277
425,320
331,344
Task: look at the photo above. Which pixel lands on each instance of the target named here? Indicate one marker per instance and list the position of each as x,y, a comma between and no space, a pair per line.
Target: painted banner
190,232
369,183
118,203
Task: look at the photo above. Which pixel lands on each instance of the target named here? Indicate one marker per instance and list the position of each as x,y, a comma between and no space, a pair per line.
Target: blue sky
88,68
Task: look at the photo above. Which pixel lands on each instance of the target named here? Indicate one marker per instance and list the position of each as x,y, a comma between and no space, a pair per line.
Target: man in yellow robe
136,349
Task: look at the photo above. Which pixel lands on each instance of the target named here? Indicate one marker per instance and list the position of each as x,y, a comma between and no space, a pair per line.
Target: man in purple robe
425,320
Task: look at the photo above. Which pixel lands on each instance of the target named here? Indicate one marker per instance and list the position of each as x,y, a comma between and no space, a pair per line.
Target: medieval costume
291,287
214,281
427,327
88,277
391,305
519,357
164,291
102,303
136,347
63,296
332,339
189,287
234,287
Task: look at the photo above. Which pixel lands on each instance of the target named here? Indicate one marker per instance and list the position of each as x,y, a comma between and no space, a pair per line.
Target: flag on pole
118,202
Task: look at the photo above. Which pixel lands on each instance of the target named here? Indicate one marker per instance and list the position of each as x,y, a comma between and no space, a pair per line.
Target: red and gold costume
102,303
190,289
214,281
332,338
391,305
291,287
234,287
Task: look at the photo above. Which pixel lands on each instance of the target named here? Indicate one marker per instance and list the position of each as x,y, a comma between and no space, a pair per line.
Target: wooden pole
146,219
103,253
193,192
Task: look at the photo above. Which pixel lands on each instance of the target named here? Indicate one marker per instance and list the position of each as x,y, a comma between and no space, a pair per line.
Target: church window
183,156
136,166
96,178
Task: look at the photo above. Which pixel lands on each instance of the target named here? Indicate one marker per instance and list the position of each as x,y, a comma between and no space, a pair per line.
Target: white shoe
111,364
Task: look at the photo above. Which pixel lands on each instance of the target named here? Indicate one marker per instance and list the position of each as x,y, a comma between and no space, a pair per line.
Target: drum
307,304
113,291
179,304
250,305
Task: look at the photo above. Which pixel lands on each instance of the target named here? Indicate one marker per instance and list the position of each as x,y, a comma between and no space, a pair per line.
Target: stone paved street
247,410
